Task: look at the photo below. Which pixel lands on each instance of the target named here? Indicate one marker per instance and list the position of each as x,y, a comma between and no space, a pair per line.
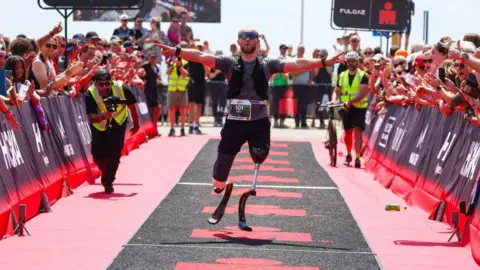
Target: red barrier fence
430,160
40,167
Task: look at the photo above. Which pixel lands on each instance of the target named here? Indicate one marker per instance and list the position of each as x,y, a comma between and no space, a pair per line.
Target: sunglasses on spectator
51,46
459,65
368,53
102,84
427,60
250,35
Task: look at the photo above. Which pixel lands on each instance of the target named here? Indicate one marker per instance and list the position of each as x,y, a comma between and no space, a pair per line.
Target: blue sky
279,20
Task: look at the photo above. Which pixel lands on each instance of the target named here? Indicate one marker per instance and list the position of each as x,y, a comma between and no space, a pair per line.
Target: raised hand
74,68
166,50
336,59
57,29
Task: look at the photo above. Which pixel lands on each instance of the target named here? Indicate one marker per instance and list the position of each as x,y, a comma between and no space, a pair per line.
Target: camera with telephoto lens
112,102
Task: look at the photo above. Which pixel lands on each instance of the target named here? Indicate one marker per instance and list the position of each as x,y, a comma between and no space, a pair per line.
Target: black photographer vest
260,81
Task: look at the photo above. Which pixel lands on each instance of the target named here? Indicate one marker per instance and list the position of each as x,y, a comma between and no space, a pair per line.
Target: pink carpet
88,229
401,240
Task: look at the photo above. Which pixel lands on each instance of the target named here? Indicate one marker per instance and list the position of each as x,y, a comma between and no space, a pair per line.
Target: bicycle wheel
332,135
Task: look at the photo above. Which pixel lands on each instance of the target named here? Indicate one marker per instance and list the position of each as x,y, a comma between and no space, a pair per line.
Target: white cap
124,17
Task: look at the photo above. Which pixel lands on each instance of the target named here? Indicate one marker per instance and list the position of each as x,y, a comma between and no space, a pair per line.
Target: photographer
107,103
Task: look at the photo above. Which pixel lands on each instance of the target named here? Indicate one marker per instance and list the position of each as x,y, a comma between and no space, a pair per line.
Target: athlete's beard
246,50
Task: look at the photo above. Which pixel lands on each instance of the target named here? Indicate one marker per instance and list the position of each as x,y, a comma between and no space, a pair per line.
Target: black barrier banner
438,154
143,112
374,127
385,134
57,127
18,169
47,164
445,140
371,116
461,169
415,150
82,129
50,148
64,125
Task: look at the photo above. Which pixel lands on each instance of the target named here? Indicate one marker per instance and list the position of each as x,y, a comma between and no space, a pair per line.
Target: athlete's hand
336,59
166,50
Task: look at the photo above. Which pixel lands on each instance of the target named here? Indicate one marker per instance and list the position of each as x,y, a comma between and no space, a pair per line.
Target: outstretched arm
304,64
189,55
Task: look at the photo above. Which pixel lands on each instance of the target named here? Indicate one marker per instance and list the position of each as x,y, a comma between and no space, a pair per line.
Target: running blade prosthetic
220,211
242,221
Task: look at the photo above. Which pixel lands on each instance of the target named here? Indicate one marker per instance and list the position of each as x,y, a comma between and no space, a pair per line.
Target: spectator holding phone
19,81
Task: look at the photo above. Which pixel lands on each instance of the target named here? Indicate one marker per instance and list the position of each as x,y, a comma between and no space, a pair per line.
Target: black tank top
323,76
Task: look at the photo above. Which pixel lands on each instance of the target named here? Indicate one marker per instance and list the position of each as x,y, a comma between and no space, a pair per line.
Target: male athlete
248,76
352,88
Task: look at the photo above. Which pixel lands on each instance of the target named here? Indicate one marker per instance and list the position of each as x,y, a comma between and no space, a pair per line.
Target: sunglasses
459,65
250,35
51,46
427,60
102,84
368,53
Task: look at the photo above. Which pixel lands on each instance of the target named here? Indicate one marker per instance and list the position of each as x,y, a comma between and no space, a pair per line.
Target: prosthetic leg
221,169
258,156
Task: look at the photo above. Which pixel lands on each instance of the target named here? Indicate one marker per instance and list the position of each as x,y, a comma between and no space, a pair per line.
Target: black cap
283,46
129,44
102,75
78,37
92,35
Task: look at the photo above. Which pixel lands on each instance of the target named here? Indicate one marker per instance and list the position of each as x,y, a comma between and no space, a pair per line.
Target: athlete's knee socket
258,155
222,167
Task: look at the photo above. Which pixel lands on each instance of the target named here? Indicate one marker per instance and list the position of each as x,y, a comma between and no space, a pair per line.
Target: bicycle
331,139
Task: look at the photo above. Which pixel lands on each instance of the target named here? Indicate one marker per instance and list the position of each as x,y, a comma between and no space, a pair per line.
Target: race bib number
240,110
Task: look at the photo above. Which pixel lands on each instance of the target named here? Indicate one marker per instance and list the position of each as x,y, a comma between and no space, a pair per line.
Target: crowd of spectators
442,74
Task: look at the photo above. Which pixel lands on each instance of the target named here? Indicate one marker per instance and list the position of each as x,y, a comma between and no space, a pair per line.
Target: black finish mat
294,224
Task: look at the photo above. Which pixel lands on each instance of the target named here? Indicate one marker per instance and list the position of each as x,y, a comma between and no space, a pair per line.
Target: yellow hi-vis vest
350,92
120,115
176,82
